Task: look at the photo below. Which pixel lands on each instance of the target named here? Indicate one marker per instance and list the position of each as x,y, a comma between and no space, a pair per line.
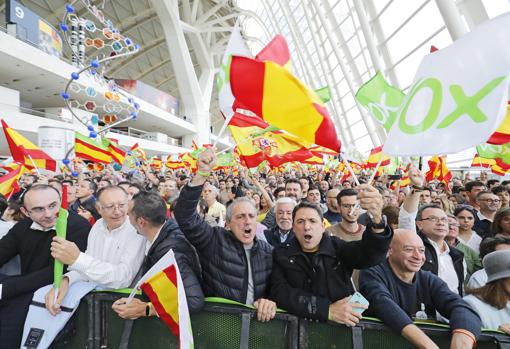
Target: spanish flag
26,152
189,160
89,149
276,51
438,169
375,155
156,163
281,100
500,168
265,142
502,134
118,155
138,152
9,182
482,162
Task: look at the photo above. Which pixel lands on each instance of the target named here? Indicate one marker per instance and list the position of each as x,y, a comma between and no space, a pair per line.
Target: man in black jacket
441,259
147,213
312,273
282,232
31,240
235,265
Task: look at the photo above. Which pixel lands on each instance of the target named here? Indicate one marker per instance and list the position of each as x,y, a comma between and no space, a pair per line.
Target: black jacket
307,289
273,236
432,264
222,256
171,237
33,247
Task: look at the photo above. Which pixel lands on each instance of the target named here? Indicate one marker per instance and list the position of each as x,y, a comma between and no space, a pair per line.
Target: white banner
458,97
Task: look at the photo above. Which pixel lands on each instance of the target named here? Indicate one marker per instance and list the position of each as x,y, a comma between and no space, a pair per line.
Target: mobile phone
358,298
394,177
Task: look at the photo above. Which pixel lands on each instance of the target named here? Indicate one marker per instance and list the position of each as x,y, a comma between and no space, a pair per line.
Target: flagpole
223,128
375,170
10,194
350,169
33,163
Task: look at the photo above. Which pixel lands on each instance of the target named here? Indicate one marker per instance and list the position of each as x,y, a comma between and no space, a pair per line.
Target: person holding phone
398,291
312,273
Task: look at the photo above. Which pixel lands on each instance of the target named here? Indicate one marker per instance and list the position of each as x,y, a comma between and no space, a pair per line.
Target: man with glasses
348,228
114,251
442,260
489,204
31,239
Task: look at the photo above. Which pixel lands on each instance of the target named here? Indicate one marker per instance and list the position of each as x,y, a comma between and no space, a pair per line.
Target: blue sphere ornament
74,174
129,152
94,63
93,71
128,41
63,27
66,162
137,163
92,135
75,76
90,128
134,115
137,47
69,8
64,95
137,106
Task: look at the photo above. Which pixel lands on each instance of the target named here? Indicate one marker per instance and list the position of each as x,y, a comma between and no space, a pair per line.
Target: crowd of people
319,248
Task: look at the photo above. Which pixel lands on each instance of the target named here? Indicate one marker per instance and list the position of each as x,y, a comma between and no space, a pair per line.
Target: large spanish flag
276,51
265,143
280,99
26,152
89,149
9,182
375,156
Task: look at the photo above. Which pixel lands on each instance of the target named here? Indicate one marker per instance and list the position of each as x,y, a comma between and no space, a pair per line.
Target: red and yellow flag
482,162
438,169
374,157
502,134
26,152
281,100
9,182
500,168
138,152
163,292
156,163
118,155
89,149
265,143
276,51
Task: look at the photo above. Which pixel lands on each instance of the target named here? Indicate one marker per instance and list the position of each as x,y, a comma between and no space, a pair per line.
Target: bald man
398,291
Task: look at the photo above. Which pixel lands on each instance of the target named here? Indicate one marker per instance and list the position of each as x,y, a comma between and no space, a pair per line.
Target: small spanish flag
375,156
9,182
89,149
478,161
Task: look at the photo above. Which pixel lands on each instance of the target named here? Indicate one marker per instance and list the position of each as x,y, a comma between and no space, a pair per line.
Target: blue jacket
395,302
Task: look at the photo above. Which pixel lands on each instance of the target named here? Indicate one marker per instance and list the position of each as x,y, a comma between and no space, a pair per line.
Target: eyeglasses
450,225
40,210
111,208
349,206
490,201
436,220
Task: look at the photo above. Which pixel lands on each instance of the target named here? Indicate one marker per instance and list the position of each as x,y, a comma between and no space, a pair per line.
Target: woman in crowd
88,211
471,257
466,217
491,301
501,223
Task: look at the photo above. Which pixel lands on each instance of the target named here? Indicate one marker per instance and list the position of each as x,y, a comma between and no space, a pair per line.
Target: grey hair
230,208
285,200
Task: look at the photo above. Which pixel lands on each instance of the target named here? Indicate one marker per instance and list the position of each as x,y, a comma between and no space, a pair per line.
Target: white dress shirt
112,257
446,271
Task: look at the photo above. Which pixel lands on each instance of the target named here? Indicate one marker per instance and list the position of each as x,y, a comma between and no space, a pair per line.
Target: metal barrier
227,326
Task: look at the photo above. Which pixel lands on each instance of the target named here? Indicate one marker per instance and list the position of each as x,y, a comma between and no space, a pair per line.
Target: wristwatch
148,309
380,225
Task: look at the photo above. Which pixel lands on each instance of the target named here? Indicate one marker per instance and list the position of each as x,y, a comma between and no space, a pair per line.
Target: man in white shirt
216,210
114,249
444,261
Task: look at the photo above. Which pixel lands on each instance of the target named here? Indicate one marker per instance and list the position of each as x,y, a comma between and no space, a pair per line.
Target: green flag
324,94
225,159
61,231
492,151
381,100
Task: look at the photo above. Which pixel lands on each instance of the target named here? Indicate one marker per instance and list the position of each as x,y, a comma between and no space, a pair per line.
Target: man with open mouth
312,273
